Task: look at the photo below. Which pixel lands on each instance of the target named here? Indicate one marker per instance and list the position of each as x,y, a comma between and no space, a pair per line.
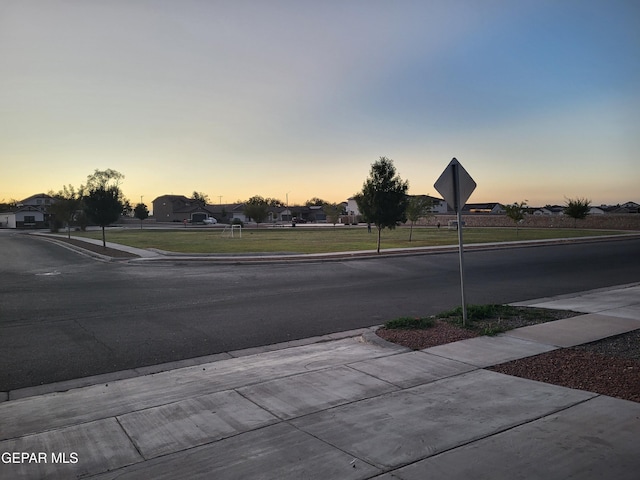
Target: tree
332,211
256,208
104,178
516,212
201,198
316,202
104,202
274,202
103,206
417,208
383,199
578,209
8,206
141,212
65,208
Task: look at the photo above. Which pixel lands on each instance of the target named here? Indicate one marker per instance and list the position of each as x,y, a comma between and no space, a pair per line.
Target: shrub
408,323
481,312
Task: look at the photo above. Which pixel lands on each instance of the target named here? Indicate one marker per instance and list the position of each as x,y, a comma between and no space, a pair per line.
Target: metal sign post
456,185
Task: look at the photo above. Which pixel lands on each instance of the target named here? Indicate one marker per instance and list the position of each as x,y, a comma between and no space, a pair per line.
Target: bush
409,323
481,312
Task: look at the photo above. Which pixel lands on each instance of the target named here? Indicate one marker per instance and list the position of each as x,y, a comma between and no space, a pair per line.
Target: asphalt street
64,316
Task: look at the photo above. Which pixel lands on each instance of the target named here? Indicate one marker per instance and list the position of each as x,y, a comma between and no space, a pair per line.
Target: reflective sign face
455,179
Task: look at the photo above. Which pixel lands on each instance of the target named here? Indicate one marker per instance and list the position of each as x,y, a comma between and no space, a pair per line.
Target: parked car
210,221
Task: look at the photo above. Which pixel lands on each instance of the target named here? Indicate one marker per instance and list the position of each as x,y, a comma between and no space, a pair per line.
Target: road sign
455,185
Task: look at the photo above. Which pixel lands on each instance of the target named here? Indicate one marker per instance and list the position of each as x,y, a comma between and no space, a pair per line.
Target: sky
293,99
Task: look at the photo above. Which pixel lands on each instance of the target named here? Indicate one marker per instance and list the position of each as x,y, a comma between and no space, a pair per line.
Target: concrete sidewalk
350,408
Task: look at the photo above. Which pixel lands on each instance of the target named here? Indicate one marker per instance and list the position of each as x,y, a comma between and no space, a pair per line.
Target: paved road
65,316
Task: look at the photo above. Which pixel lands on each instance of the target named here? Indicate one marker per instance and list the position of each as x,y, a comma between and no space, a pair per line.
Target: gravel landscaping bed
109,252
610,366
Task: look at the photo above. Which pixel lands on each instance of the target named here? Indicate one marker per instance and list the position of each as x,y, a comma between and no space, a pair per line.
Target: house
178,208
32,212
438,205
24,217
41,200
549,210
490,208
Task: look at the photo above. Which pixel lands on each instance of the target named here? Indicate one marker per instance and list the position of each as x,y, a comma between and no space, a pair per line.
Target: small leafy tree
141,212
383,199
68,202
516,212
332,211
417,208
577,208
104,202
256,208
103,206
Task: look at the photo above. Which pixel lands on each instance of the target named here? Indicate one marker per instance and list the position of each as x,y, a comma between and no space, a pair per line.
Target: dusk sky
538,100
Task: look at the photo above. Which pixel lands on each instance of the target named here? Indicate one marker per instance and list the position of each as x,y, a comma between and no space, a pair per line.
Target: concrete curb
105,378
161,256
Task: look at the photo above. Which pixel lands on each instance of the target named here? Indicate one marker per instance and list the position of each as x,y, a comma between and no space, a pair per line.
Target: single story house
178,208
438,205
490,208
26,216
549,210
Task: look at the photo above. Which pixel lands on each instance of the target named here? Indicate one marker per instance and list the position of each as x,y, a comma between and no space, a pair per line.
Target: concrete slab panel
593,440
71,452
486,351
278,451
402,427
55,410
311,392
595,301
412,369
178,426
575,330
630,311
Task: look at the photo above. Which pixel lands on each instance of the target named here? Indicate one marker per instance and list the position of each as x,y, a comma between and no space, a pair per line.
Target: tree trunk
379,233
411,232
104,241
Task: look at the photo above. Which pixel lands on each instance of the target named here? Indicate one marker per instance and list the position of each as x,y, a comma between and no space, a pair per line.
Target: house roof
25,208
37,195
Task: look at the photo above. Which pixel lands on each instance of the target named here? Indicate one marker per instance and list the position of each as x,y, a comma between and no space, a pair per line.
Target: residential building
32,212
438,205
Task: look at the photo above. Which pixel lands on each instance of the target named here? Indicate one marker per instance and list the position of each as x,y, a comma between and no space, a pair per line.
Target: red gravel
580,368
609,367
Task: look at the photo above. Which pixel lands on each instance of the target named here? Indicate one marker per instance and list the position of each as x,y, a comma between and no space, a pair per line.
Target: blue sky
538,100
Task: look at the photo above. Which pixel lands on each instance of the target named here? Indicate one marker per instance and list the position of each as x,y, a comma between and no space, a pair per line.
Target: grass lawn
319,239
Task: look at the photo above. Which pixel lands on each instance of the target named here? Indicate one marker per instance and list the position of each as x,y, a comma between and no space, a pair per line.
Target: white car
210,221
